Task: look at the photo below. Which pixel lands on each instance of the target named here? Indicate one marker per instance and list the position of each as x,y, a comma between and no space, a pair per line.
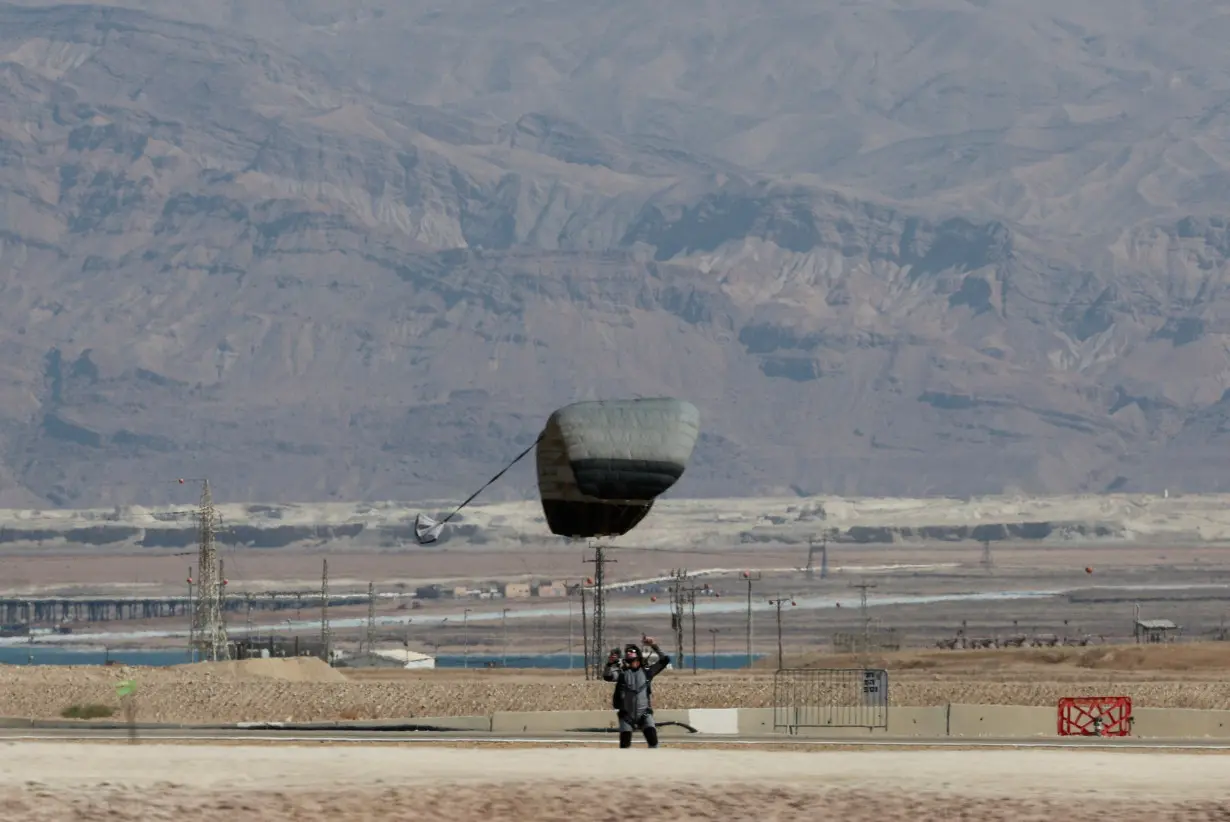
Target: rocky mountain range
360,249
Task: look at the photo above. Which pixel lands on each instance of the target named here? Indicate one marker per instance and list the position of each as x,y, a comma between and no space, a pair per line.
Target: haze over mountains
359,250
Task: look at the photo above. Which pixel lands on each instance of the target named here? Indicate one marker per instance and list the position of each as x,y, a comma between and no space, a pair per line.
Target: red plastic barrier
1095,716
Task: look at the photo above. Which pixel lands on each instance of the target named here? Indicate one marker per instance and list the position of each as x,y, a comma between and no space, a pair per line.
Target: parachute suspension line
428,530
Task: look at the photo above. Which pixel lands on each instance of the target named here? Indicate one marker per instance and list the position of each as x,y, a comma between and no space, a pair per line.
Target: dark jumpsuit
632,699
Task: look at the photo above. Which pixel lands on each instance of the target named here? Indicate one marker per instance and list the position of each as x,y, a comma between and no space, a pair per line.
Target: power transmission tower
371,617
208,628
750,577
598,654
325,637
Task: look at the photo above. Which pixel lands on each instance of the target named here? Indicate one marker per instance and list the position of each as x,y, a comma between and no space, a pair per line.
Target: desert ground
305,689
1082,593
48,781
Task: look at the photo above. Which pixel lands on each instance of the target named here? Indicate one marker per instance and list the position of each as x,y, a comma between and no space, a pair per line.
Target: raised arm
659,666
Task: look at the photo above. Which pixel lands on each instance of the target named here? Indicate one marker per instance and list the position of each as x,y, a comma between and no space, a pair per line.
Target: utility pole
598,654
371,618
191,619
692,608
987,561
584,631
862,609
465,633
504,638
678,576
680,596
750,577
568,593
325,638
778,602
713,632
208,629
248,620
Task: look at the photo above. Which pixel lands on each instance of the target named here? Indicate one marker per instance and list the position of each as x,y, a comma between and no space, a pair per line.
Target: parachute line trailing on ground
601,465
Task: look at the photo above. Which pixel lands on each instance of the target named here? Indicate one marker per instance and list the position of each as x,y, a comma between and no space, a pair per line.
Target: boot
625,739
651,737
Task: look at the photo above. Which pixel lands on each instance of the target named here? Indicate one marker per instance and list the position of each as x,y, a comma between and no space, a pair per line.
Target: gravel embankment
293,690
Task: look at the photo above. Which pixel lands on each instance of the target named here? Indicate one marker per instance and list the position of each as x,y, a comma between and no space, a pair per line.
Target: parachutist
633,696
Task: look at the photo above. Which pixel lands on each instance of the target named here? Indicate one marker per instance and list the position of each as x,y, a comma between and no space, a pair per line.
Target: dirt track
235,783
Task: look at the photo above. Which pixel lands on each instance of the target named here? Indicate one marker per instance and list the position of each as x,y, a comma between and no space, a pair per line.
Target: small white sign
875,687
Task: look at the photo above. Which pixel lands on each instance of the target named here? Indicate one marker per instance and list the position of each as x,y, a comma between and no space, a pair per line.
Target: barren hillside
352,250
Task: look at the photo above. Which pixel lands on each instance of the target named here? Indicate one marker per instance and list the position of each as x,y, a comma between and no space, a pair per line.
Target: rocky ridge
237,245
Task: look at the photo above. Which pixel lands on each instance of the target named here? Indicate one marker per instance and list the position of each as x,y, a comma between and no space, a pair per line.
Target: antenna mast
209,631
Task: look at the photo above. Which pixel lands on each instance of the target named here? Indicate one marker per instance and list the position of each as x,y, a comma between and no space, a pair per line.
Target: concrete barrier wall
902,722
1180,723
562,721
999,721
996,721
714,720
460,723
1002,720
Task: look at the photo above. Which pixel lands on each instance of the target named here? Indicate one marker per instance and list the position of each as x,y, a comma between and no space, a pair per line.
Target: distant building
1153,631
552,591
516,590
429,592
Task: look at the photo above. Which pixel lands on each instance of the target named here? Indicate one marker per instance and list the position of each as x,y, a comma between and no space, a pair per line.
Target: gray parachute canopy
602,464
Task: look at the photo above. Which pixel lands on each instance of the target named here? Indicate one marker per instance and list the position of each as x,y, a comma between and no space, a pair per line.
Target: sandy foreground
55,781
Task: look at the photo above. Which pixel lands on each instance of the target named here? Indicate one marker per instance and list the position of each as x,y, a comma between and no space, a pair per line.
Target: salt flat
674,522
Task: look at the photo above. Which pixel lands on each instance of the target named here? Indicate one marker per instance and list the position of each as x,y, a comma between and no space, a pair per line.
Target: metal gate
830,698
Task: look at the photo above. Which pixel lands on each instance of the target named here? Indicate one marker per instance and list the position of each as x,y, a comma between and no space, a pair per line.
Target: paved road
344,736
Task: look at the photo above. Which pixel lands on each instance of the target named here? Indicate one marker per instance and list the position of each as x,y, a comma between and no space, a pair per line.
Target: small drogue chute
601,465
